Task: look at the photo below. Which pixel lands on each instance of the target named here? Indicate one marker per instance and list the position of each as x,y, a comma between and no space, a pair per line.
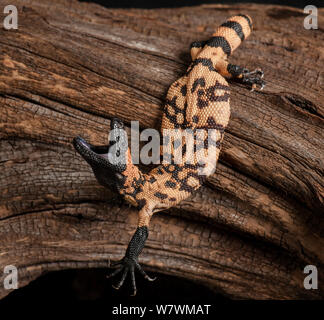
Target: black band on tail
198,44
236,27
219,41
247,19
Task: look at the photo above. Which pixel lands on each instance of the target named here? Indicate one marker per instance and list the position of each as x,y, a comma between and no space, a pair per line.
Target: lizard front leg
123,177
129,263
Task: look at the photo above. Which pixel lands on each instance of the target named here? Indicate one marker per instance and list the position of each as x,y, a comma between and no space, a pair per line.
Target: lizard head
109,161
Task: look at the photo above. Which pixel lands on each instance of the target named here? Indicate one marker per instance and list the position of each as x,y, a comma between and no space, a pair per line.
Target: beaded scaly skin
198,100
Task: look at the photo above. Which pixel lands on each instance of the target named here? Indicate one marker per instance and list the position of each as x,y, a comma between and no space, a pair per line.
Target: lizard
200,99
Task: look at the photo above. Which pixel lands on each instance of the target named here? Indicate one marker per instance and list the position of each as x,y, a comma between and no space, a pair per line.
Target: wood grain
70,67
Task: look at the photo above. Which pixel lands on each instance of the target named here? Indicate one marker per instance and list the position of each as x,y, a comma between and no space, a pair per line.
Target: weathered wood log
70,67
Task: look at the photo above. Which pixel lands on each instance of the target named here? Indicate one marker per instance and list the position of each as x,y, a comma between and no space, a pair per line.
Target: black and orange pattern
199,100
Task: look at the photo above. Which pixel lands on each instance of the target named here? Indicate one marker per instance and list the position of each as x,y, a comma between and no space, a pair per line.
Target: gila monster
198,100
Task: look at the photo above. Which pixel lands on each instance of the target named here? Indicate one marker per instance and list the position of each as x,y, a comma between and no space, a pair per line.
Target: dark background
181,3
91,284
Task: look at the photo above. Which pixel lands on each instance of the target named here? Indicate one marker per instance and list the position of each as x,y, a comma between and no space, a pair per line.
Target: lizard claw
143,273
254,78
128,265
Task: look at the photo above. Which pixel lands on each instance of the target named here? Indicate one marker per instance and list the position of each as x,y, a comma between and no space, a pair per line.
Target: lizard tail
226,38
231,33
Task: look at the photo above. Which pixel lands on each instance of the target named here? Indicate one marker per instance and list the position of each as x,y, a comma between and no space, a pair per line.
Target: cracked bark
69,68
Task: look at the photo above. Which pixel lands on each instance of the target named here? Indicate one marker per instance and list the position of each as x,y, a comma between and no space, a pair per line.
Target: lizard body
199,100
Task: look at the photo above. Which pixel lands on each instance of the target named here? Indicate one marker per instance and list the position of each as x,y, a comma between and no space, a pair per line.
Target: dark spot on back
161,195
183,90
195,119
170,184
152,180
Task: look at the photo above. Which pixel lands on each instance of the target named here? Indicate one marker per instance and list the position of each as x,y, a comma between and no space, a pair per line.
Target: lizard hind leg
232,71
252,78
226,39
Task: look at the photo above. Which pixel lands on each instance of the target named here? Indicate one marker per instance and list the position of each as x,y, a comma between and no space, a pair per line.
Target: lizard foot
253,78
130,261
128,265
